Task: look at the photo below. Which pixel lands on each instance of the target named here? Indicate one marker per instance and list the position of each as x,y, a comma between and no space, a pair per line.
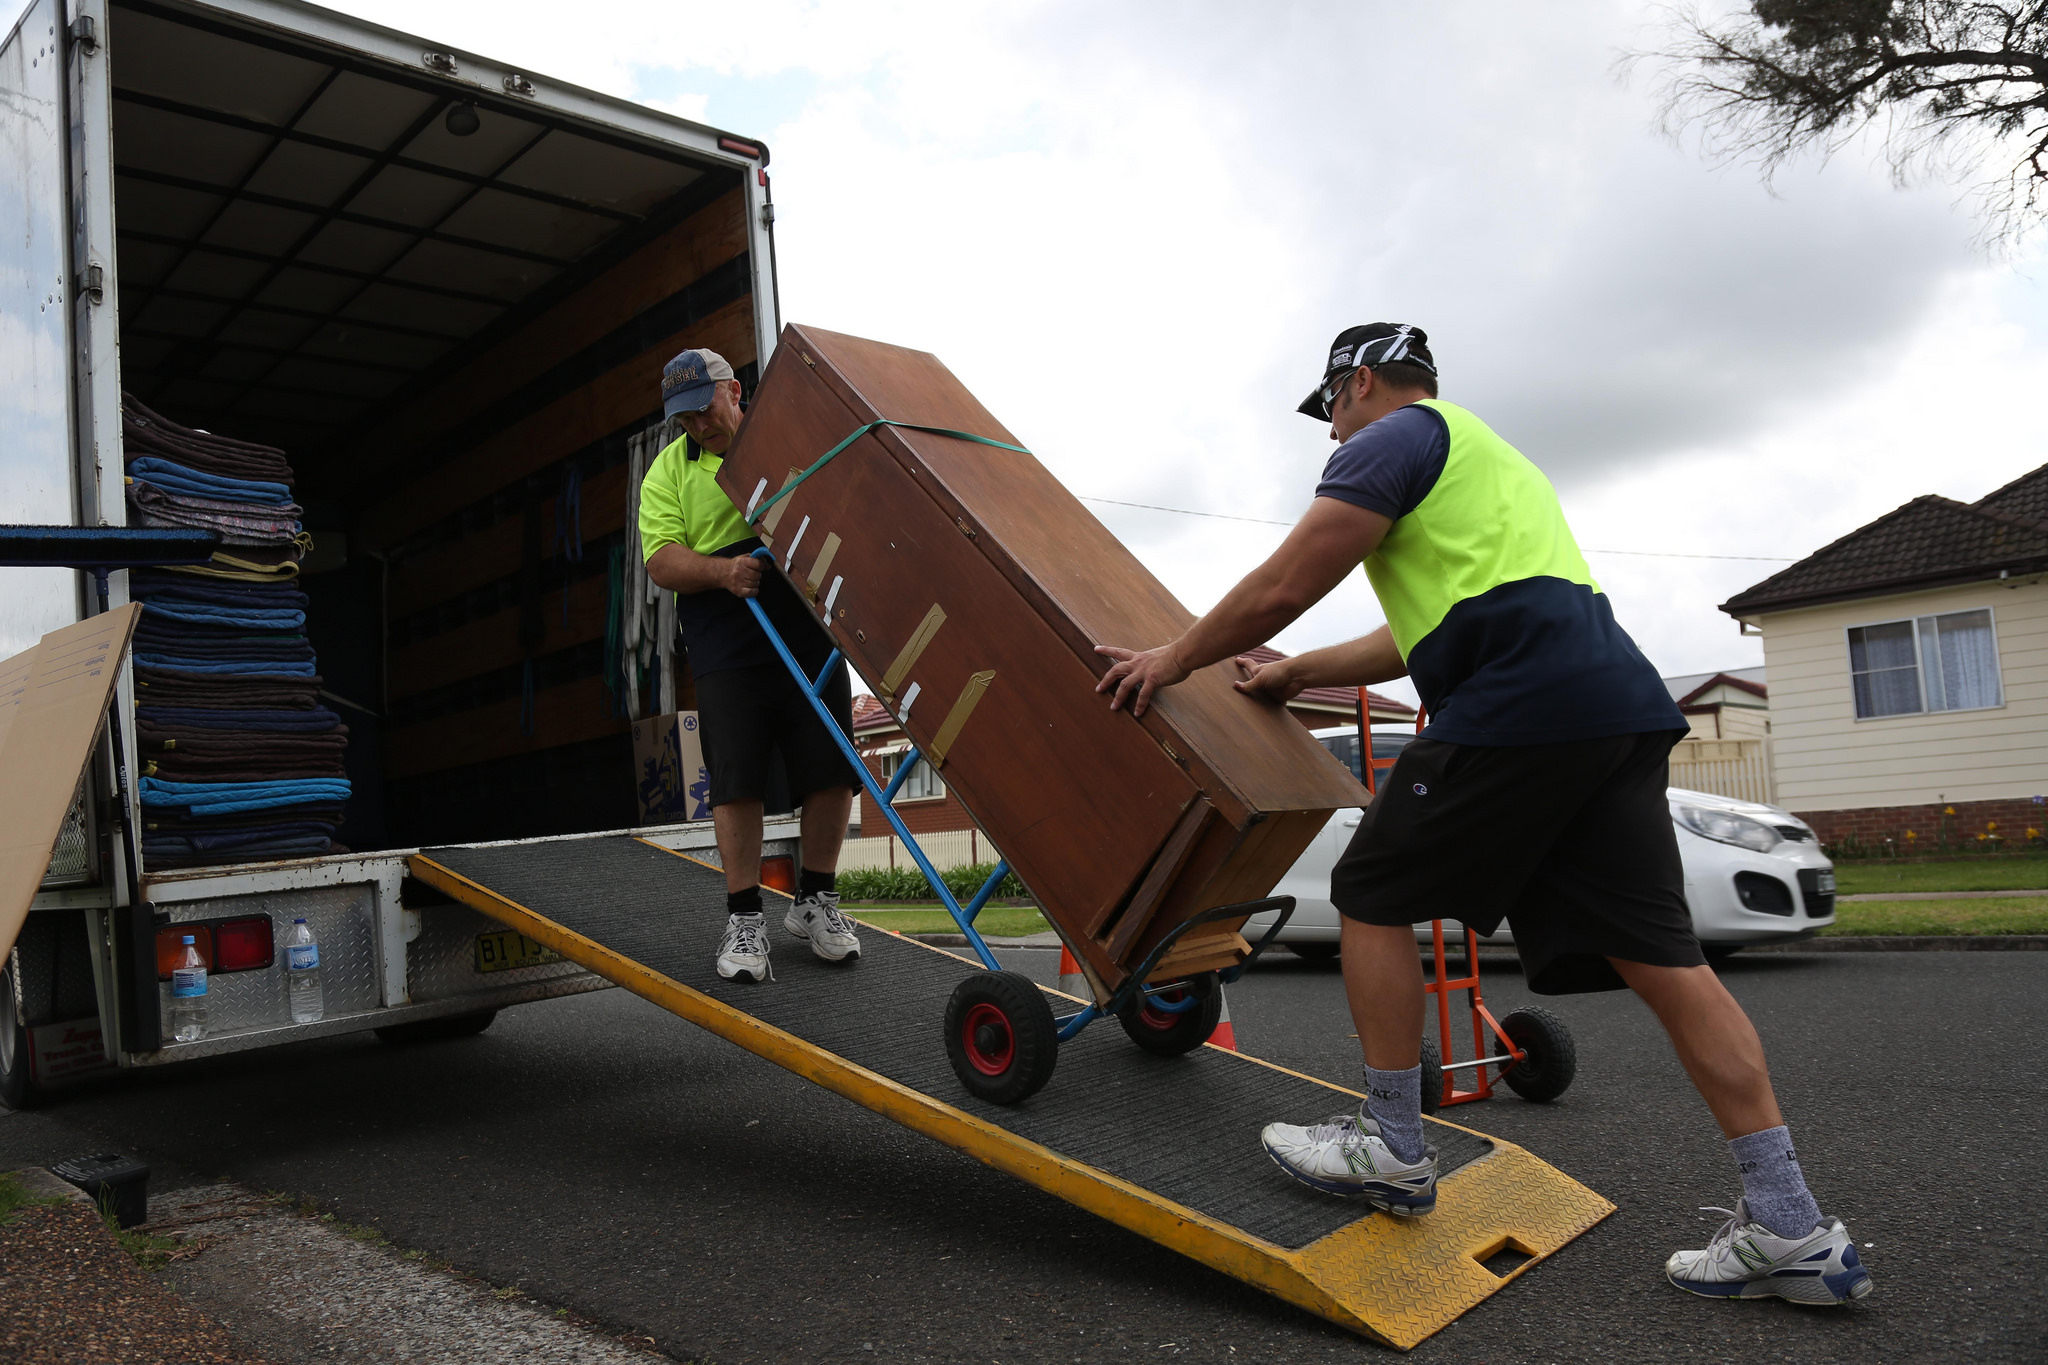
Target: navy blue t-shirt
1536,661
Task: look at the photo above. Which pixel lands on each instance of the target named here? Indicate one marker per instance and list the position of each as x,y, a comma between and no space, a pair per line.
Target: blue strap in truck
1168,1148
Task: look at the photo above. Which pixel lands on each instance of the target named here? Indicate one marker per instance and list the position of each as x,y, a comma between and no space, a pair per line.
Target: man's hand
1137,674
1278,681
743,576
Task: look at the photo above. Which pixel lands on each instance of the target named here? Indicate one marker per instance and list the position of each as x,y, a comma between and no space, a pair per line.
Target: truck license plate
506,950
1827,883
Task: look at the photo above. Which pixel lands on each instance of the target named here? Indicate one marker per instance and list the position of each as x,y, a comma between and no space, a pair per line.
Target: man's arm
1332,538
681,569
1355,663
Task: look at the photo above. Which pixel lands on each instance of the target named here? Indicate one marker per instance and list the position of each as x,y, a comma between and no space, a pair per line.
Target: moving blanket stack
239,760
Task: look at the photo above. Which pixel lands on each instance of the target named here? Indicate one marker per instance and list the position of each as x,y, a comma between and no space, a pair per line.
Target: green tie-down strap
791,487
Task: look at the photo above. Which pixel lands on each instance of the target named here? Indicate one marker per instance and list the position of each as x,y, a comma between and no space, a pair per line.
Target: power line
1266,521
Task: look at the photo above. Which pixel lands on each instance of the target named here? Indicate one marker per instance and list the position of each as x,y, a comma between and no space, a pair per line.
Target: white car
1753,874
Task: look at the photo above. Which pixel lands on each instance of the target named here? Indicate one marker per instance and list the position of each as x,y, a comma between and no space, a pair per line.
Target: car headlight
1724,828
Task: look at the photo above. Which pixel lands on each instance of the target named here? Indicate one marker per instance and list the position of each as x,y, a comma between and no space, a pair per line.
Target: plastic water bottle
302,969
188,995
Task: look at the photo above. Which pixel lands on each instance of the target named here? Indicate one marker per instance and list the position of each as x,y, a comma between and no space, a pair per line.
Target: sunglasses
1328,393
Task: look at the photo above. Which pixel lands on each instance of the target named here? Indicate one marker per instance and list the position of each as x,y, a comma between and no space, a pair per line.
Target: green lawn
998,921
1991,915
2029,873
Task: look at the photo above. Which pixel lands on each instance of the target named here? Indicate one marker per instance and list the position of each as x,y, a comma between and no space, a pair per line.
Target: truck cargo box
970,588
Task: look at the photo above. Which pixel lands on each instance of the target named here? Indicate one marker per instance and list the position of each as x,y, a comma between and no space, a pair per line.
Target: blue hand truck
1000,1031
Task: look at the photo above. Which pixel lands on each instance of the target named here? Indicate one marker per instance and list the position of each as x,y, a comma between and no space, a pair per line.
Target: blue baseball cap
688,381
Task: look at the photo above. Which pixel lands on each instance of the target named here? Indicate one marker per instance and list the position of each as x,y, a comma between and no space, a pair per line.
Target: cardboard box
669,776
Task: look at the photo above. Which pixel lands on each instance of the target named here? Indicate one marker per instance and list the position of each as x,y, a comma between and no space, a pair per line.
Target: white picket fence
1740,768
948,848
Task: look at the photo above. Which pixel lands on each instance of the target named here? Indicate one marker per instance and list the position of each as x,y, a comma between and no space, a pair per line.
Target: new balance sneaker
1345,1154
744,949
1746,1260
815,916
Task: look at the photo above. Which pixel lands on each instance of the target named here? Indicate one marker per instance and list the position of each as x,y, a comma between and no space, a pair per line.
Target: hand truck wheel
1171,1033
1432,1076
1551,1059
1000,1036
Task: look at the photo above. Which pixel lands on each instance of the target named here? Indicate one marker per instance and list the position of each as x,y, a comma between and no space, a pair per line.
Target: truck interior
450,309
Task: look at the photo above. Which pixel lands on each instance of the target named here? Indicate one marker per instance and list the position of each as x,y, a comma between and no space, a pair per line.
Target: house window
1929,663
924,782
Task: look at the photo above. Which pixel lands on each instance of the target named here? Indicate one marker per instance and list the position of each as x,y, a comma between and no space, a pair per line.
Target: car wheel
1549,1060
1315,952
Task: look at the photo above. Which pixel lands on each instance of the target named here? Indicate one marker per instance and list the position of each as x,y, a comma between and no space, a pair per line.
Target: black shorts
752,719
1571,843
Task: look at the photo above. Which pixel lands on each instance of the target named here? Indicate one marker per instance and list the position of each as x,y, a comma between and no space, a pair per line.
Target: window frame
1920,663
889,756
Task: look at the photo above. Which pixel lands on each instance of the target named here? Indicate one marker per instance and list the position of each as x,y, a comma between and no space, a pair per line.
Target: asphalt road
609,1158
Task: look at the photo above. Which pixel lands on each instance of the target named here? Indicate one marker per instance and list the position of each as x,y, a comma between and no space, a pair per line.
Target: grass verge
1001,921
1991,915
1955,874
14,1196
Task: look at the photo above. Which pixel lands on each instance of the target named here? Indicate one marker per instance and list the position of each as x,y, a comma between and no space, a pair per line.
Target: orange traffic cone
1225,1035
1071,981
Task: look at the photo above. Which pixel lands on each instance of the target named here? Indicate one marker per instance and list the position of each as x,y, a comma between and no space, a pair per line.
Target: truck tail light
170,946
779,874
242,945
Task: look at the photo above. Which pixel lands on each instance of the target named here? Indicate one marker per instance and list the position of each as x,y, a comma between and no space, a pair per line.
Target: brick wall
926,816
1872,825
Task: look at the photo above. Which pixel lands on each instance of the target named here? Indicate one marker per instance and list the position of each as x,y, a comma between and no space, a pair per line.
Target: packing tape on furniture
823,564
956,719
912,648
768,523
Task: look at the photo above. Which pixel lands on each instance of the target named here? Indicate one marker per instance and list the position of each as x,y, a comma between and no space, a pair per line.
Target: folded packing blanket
268,668
166,821
245,618
146,585
177,719
167,847
226,798
211,692
177,768
257,746
150,432
177,478
225,645
244,565
239,523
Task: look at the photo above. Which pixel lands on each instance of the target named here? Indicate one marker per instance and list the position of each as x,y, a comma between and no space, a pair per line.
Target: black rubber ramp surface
1185,1128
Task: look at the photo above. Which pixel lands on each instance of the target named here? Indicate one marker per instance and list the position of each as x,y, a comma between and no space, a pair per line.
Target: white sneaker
815,916
1746,1260
744,949
1345,1154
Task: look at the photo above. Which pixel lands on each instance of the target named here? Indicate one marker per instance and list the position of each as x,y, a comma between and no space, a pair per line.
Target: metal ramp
642,916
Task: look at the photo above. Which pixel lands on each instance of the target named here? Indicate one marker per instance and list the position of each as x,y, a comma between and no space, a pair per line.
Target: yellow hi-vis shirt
682,504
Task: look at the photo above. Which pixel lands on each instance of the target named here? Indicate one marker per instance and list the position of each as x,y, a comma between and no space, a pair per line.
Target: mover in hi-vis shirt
1536,794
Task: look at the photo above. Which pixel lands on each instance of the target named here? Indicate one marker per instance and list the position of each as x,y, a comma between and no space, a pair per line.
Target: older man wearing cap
1537,794
749,709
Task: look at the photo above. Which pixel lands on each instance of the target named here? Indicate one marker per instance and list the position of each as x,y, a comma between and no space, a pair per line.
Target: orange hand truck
1537,1059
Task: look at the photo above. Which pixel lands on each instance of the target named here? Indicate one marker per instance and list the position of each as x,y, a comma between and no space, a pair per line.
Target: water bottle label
188,981
302,957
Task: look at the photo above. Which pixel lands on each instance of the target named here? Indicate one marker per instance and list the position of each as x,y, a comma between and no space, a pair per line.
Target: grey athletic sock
1393,1099
1773,1188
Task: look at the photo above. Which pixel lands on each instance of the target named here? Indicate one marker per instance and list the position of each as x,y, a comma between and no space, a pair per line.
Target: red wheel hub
988,1040
1153,1017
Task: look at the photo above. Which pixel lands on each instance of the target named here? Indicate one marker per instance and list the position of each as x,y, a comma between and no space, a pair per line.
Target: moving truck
446,289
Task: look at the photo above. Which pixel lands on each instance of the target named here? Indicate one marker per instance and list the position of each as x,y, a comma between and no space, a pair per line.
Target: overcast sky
1133,229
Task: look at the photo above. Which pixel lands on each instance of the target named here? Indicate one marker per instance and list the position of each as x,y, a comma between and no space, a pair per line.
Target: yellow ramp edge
1394,1280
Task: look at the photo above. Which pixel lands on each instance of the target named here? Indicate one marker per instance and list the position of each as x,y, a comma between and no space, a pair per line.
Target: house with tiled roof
928,807
1908,670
